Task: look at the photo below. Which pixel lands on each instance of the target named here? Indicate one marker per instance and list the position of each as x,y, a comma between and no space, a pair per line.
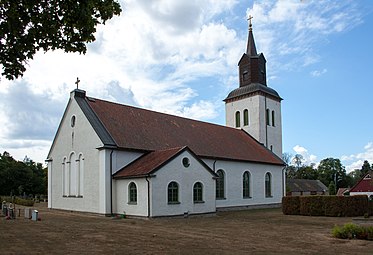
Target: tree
298,160
332,170
29,26
17,177
332,189
365,168
306,172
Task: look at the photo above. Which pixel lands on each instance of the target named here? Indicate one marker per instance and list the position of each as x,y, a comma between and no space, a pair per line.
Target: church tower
255,107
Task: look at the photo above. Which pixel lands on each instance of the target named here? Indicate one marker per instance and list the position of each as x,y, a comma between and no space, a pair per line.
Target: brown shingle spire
251,49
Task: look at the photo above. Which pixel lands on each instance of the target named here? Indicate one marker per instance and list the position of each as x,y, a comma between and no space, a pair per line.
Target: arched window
267,117
132,193
238,121
246,185
220,185
273,118
268,186
197,192
173,193
64,174
245,117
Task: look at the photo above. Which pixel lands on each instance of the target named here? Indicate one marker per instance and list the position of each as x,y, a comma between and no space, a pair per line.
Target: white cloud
307,157
355,161
296,28
317,73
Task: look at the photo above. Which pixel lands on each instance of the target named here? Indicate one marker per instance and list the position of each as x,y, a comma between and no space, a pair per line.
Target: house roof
364,185
134,128
152,161
298,185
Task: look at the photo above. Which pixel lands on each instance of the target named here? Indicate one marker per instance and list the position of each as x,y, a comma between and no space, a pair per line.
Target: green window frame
268,185
238,120
267,117
173,193
132,193
220,182
198,192
246,185
273,118
245,117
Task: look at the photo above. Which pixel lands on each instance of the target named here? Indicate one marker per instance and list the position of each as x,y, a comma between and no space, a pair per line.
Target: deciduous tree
27,26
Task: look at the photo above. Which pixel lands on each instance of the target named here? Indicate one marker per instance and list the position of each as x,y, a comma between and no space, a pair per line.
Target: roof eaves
96,123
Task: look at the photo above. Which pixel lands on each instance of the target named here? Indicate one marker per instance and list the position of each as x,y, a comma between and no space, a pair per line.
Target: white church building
110,158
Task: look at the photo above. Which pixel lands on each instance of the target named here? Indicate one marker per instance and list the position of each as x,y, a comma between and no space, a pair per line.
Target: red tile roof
147,163
140,129
364,185
152,161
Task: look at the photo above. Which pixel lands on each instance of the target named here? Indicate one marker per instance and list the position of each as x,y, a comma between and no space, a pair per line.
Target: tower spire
251,49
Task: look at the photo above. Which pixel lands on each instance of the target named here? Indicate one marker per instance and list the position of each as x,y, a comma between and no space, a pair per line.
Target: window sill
247,197
71,196
269,196
223,198
132,203
173,203
199,202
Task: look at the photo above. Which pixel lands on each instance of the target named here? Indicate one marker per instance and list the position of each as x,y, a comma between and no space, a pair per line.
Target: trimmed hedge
334,206
291,205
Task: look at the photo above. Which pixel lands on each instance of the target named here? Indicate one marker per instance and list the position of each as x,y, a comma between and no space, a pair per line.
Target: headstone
28,213
35,215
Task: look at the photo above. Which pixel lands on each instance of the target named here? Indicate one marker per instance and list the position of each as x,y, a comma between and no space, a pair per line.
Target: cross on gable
77,82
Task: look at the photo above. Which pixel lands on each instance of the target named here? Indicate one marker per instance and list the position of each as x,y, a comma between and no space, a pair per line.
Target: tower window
273,118
238,121
267,117
245,117
245,75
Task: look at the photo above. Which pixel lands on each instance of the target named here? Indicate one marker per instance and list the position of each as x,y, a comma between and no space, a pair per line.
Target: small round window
186,162
73,121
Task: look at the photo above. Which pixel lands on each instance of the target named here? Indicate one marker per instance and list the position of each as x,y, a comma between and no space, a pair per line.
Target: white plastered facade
257,105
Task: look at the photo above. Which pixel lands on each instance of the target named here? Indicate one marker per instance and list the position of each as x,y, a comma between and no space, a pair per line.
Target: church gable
150,162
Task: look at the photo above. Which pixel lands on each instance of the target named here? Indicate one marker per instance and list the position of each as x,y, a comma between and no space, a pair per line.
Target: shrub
327,206
352,231
19,201
312,206
291,205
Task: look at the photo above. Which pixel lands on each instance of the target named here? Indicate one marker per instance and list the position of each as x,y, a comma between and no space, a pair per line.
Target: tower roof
251,49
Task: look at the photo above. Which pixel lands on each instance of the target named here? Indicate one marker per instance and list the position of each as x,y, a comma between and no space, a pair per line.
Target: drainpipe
111,182
283,182
146,178
213,166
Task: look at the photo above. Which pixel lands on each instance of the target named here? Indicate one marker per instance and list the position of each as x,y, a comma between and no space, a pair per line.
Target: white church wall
234,183
257,127
123,158
186,177
80,141
122,203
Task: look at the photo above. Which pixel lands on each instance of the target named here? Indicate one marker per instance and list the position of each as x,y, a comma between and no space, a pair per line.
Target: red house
364,186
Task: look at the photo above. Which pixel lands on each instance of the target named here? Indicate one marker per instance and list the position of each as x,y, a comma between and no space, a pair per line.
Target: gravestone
28,213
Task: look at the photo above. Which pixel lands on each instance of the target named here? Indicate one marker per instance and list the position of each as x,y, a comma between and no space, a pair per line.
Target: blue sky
180,57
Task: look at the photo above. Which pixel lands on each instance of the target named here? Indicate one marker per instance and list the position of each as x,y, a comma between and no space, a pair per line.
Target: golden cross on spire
77,82
249,19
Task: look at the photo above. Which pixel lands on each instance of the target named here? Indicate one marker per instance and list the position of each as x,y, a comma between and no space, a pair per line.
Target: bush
352,231
327,206
18,201
312,206
291,205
